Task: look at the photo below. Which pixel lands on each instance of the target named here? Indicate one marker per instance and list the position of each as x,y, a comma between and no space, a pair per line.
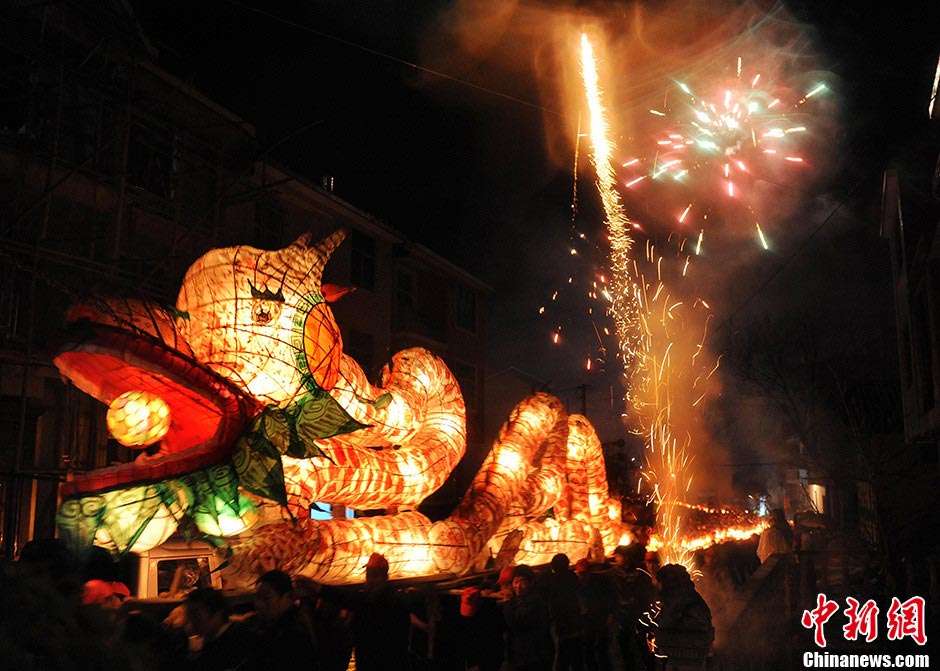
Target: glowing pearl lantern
138,418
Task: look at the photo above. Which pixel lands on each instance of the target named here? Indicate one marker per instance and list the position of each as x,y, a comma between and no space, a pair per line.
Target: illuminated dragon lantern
247,412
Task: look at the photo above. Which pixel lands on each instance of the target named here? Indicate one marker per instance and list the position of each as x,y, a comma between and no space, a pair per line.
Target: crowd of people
623,613
563,617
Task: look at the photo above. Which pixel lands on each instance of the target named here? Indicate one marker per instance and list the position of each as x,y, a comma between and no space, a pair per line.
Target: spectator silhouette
684,622
529,644
598,594
225,643
635,596
332,625
478,632
716,586
44,625
380,619
504,590
284,633
561,590
778,538
50,559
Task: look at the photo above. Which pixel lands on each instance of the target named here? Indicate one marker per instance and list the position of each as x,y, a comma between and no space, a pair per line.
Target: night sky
455,124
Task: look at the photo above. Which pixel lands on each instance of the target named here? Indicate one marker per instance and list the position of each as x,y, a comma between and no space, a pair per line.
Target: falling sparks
817,89
933,91
760,235
623,305
652,328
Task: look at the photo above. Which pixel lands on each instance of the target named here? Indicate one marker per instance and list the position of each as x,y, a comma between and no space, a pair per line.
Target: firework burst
711,148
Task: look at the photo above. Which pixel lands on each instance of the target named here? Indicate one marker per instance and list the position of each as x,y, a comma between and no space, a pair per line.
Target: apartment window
435,317
360,346
269,225
405,290
196,189
923,355
466,375
466,317
150,160
11,291
362,273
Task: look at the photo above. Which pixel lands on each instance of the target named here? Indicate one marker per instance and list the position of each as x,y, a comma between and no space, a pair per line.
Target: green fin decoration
206,486
314,417
77,521
218,505
126,512
291,431
174,496
257,463
214,492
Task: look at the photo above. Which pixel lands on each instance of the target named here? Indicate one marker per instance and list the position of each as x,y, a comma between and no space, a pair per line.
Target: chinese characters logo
903,619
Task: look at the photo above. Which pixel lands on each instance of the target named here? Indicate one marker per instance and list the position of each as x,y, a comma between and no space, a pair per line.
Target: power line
394,59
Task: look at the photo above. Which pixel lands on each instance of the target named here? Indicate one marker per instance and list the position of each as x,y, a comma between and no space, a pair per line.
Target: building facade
910,214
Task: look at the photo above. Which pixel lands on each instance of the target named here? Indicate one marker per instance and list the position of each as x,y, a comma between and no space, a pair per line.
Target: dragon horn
305,262
321,254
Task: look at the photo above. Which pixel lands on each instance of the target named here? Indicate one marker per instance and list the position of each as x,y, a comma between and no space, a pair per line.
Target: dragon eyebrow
267,294
176,314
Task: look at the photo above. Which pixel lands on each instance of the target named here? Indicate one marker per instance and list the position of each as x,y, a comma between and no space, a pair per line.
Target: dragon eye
265,312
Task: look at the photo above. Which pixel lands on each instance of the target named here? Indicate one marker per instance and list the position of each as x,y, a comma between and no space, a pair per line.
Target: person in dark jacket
380,619
635,596
285,635
562,592
684,621
529,645
598,594
332,625
482,627
225,644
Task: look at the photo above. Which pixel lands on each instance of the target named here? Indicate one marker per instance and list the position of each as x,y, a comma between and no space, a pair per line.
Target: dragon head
260,320
251,330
